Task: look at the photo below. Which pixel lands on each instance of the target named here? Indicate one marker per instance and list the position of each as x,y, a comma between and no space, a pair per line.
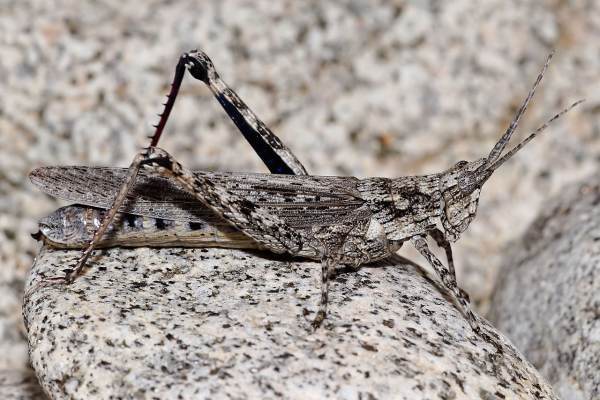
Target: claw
318,320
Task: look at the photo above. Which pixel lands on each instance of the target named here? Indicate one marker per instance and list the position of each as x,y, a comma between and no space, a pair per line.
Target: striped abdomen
73,227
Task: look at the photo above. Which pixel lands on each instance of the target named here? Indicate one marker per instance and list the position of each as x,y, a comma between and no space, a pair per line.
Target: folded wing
301,201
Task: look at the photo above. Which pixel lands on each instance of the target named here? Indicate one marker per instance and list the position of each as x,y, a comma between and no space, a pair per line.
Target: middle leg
442,242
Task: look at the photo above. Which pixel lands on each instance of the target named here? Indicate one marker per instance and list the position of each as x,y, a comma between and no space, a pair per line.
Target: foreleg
442,242
448,280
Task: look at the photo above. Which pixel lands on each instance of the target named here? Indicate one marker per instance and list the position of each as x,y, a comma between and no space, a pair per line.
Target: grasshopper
337,220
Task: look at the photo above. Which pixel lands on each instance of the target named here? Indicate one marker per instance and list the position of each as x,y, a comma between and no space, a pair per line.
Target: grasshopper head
461,184
460,187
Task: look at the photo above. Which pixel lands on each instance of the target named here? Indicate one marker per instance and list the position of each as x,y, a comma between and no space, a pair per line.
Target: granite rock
354,87
214,323
20,385
548,297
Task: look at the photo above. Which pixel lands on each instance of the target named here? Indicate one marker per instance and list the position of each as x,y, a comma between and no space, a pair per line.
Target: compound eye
466,181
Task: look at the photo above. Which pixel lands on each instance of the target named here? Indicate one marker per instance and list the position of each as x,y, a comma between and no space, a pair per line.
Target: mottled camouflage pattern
338,220
72,227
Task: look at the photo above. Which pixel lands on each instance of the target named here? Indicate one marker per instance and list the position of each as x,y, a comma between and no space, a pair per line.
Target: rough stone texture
20,385
354,87
548,297
218,323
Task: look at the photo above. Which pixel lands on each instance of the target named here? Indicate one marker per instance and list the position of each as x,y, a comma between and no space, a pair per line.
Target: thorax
405,206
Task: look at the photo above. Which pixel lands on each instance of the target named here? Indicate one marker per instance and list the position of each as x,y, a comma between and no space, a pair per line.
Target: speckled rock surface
354,87
548,298
20,385
228,324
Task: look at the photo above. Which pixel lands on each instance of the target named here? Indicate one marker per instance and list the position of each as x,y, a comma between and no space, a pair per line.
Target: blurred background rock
364,88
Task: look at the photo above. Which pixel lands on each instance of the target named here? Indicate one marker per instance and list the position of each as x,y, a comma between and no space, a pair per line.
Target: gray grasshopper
337,220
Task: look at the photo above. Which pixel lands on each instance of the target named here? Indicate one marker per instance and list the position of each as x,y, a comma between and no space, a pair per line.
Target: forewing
300,201
152,196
